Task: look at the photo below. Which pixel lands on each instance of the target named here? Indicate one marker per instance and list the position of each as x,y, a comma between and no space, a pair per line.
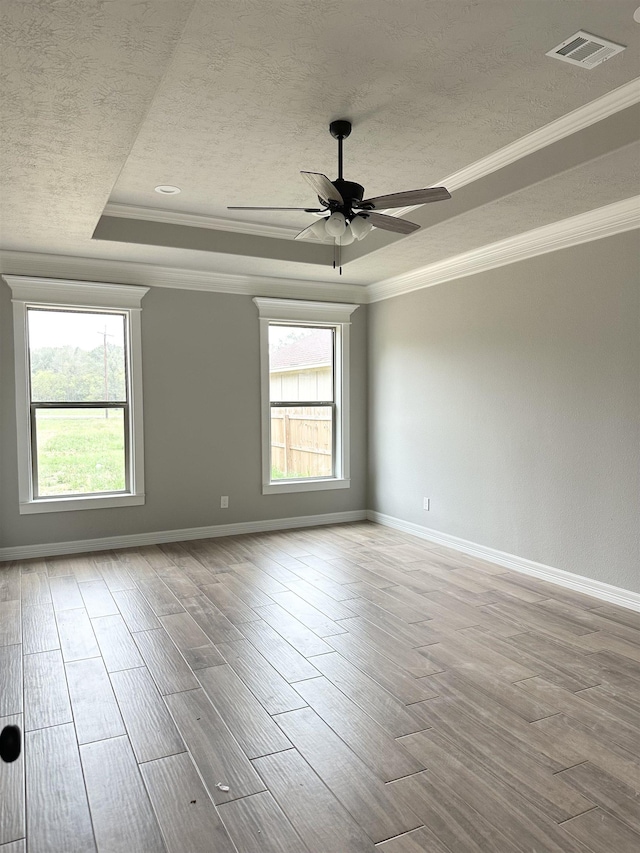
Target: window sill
283,486
73,503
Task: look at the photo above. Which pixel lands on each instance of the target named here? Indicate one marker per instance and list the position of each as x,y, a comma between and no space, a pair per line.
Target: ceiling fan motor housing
350,192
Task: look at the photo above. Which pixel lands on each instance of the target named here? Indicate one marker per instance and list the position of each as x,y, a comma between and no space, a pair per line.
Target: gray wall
512,400
202,426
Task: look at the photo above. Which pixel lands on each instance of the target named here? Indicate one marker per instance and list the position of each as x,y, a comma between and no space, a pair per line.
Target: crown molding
197,220
593,225
618,99
151,275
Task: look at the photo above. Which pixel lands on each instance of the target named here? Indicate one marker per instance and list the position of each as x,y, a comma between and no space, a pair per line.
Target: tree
71,374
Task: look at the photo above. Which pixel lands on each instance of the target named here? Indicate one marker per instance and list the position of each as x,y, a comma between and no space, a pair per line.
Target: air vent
585,50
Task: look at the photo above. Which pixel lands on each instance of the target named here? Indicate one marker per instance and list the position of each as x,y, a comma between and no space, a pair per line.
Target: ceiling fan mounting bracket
340,129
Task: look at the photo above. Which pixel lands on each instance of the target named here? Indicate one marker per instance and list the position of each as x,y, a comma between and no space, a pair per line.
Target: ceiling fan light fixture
336,224
348,237
360,227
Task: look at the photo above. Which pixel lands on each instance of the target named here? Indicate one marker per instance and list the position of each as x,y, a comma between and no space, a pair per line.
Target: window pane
300,363
76,356
80,451
301,442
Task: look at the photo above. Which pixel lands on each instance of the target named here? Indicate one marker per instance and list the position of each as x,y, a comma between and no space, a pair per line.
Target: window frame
58,294
333,315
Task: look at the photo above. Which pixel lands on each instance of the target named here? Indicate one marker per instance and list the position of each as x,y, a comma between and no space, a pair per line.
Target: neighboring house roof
311,351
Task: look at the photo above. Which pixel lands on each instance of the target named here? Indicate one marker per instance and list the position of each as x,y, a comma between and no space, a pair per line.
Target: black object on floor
10,743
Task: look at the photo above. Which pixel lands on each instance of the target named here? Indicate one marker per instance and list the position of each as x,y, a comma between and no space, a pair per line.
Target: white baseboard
597,589
587,586
52,549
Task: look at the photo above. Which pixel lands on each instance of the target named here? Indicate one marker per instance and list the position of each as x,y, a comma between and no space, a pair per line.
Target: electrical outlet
426,504
224,501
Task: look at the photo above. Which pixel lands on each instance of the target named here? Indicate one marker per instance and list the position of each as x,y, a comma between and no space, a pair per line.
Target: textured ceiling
105,99
77,78
429,87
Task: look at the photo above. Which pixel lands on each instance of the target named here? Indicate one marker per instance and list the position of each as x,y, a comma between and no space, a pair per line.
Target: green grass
80,452
277,474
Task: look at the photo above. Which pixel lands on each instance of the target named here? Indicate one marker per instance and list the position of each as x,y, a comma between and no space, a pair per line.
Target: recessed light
636,15
167,189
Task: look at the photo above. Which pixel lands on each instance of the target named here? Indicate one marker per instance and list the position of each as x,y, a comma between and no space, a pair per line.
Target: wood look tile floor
345,689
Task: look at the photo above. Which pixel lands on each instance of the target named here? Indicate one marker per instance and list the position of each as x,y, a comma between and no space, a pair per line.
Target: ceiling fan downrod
340,130
349,190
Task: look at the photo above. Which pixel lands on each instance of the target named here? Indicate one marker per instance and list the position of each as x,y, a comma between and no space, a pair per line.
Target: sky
277,334
81,329
85,329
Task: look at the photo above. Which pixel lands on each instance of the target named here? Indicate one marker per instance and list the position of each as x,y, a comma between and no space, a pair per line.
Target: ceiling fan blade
383,202
306,209
323,187
307,232
391,223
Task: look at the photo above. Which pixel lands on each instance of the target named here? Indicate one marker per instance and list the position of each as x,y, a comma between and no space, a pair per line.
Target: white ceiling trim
618,99
593,225
197,220
151,275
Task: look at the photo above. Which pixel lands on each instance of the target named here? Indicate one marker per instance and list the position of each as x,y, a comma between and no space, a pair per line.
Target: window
304,354
78,394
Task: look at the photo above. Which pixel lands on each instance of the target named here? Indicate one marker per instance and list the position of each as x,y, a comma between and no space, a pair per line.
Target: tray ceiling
229,100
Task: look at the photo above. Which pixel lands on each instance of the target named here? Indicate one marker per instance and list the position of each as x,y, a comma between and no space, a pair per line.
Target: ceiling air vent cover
585,50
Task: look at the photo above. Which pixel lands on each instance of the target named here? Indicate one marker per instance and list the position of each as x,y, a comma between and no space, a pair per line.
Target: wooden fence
301,442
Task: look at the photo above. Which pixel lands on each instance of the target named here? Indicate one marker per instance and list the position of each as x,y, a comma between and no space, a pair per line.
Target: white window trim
323,314
45,292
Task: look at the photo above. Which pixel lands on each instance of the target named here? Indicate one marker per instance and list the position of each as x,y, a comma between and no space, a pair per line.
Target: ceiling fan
346,215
